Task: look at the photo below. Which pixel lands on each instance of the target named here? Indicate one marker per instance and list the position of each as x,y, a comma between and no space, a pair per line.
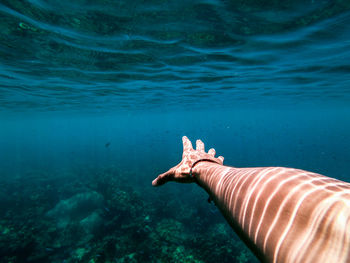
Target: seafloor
97,216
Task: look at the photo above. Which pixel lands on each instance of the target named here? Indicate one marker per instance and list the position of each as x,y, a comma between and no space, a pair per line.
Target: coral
171,231
104,219
77,208
79,253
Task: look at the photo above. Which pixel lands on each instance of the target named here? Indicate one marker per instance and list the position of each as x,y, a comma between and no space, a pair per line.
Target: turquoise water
96,95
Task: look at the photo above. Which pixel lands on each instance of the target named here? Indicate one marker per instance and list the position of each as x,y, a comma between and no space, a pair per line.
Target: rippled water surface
95,96
144,54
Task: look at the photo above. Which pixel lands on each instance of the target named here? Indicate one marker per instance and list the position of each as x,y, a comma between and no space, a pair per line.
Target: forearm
219,182
282,214
211,177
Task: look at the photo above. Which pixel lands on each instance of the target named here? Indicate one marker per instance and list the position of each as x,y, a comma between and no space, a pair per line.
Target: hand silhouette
182,172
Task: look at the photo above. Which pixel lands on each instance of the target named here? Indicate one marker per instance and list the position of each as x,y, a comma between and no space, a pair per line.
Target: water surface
96,95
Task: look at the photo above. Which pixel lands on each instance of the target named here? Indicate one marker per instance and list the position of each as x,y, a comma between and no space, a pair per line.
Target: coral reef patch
104,218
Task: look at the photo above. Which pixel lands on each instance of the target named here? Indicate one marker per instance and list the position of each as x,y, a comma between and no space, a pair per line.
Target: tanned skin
283,214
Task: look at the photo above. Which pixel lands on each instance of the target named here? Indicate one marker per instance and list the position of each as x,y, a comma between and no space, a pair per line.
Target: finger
211,152
199,146
187,145
163,178
221,158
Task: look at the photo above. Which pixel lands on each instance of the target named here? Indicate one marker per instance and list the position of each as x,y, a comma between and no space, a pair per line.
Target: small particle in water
107,144
23,25
27,27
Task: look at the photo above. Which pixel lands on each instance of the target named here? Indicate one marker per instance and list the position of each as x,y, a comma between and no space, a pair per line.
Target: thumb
163,178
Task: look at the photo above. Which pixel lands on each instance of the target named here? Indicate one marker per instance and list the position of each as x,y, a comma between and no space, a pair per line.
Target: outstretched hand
181,172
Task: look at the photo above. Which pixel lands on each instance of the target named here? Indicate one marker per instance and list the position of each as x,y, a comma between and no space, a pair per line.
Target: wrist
202,165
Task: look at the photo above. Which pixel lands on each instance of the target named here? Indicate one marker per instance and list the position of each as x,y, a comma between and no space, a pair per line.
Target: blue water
96,95
108,55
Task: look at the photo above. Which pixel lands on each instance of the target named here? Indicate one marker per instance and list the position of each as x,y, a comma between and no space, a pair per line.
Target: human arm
282,214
